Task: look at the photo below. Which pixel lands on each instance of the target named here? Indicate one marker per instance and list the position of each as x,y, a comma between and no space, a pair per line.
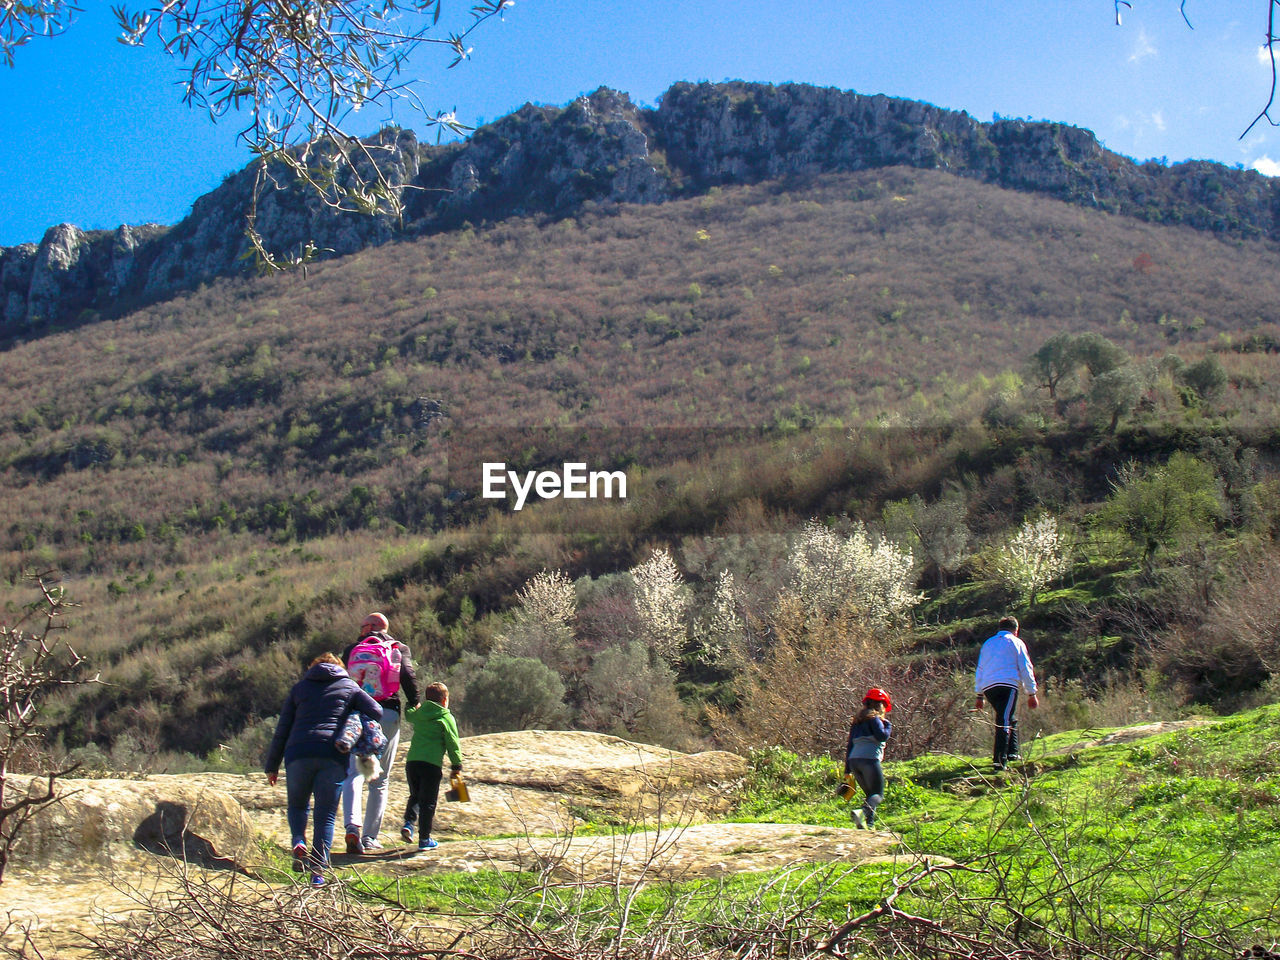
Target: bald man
362,831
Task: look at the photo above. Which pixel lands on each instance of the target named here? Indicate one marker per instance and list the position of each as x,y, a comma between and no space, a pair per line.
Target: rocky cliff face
602,149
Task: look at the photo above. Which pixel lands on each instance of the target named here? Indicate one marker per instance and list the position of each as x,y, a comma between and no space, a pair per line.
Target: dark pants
424,789
1004,701
870,777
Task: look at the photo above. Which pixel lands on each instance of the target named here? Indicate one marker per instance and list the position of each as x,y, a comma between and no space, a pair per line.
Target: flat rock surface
672,854
108,824
535,781
1136,732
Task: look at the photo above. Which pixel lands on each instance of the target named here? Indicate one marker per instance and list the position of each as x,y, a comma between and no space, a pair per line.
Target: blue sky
96,134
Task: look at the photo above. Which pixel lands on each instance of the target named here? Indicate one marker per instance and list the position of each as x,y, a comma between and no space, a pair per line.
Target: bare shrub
802,694
1236,648
33,665
542,628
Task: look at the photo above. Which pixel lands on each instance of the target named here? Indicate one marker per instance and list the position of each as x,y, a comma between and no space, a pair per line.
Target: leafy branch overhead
295,73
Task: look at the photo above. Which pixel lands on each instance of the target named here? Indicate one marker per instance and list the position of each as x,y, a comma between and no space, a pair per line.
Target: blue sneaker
428,843
317,880
406,833
299,857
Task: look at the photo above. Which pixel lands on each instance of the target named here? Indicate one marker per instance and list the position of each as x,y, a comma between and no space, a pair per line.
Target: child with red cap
864,751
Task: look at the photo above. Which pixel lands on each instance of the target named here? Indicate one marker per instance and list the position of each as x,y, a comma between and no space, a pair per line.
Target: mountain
602,150
227,477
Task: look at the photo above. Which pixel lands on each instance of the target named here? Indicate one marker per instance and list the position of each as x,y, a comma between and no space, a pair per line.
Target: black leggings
870,777
1004,701
424,789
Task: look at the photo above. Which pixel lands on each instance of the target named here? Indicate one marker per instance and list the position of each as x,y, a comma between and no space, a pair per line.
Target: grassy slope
1111,844
1179,826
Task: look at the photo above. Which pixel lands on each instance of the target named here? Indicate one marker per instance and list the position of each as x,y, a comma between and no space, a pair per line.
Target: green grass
1172,833
1168,837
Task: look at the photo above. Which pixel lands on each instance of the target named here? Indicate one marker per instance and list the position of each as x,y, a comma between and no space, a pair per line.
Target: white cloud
1157,118
1142,47
1264,57
1267,167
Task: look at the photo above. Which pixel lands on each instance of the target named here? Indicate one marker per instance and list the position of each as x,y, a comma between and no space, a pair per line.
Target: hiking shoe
317,880
1013,756
299,857
353,840
428,843
997,767
371,845
859,818
406,833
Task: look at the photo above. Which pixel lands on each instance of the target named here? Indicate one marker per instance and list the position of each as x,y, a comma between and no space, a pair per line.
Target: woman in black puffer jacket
310,721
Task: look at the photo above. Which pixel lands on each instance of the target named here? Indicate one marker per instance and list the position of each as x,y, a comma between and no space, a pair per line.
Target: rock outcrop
600,150
108,824
533,781
536,781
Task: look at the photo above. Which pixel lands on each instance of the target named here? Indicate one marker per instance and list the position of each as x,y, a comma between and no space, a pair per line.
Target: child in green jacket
435,733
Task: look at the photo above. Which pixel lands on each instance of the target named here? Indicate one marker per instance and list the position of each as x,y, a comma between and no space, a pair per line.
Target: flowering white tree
543,625
661,600
830,572
720,633
1033,557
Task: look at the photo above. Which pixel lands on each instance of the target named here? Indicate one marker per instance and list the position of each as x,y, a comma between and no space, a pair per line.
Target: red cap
875,693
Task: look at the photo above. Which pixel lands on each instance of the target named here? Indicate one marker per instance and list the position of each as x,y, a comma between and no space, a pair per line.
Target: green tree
1206,377
629,695
1055,360
1098,354
1166,505
514,693
937,533
1115,393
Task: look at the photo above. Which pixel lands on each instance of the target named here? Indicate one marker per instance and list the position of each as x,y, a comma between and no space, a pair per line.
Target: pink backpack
374,664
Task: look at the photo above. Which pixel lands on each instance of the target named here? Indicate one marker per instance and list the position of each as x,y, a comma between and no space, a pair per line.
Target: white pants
352,787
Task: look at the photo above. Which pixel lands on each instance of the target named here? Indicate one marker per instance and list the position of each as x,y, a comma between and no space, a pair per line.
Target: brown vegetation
232,478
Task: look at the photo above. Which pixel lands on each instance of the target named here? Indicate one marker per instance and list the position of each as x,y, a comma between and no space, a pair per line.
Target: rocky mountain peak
601,149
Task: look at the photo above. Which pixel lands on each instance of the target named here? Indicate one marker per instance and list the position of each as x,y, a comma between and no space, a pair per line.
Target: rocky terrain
602,150
108,845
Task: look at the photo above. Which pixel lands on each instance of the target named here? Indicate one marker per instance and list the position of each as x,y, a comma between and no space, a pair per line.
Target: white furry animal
369,767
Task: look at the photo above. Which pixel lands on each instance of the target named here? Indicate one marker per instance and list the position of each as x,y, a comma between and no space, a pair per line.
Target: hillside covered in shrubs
860,415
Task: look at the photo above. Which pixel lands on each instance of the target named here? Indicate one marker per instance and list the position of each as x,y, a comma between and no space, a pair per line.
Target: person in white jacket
1004,669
